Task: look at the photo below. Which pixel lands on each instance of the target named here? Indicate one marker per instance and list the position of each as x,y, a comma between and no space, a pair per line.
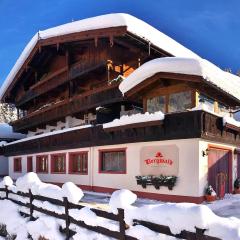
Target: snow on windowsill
136,118
50,134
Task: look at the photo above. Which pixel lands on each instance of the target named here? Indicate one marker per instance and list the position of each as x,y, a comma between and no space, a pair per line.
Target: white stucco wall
188,173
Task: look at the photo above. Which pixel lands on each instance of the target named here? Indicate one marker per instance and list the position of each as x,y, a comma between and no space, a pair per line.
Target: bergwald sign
156,160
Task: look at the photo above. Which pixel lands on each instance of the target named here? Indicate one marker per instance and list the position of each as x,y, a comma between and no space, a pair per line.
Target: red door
238,165
219,176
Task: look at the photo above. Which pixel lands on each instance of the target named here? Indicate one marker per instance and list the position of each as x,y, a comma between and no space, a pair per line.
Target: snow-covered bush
121,199
73,193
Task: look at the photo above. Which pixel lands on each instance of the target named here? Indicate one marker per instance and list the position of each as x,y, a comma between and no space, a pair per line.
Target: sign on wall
157,160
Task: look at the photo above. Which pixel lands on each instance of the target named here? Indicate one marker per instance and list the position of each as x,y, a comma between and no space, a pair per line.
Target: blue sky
209,28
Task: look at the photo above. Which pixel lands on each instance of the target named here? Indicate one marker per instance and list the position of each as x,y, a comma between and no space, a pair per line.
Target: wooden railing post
200,234
121,224
31,198
6,190
67,220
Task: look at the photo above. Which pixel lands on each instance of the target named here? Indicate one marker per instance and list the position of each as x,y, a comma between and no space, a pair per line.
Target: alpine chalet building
110,102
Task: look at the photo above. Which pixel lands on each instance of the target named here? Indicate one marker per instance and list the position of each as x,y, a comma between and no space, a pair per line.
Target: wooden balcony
59,78
184,125
92,99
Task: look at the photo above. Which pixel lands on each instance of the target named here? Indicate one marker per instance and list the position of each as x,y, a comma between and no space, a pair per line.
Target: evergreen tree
8,112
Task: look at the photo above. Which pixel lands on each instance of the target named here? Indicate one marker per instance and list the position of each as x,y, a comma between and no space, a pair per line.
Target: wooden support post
67,220
31,198
121,224
6,187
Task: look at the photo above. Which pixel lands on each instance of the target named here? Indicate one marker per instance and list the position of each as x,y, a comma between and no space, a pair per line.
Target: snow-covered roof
225,81
133,24
6,132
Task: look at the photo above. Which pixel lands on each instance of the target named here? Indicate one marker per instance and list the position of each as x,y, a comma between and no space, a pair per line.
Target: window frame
28,165
37,164
52,163
15,165
70,163
166,92
101,151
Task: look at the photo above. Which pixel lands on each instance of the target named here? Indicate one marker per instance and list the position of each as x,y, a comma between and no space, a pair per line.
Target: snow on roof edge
227,82
134,25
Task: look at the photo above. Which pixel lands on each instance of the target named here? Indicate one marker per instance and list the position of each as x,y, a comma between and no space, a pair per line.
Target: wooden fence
121,234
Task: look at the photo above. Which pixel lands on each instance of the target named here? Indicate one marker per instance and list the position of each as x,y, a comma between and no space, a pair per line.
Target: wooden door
238,164
219,176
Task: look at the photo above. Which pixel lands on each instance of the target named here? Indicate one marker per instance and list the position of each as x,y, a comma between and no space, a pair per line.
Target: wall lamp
205,152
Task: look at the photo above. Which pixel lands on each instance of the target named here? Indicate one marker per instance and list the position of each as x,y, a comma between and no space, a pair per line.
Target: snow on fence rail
119,217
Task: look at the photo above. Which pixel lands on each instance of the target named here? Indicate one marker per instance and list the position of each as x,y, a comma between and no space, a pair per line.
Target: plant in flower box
157,181
237,186
210,194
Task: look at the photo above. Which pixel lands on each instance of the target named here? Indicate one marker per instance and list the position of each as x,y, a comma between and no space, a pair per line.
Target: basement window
42,164
78,163
112,161
58,163
17,164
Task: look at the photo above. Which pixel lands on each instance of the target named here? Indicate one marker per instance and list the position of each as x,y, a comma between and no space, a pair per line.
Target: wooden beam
162,75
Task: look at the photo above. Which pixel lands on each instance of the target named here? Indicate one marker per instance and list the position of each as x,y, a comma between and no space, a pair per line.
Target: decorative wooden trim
101,151
162,75
233,127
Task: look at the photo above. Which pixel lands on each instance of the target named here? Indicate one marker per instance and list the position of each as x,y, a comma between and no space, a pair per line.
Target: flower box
157,181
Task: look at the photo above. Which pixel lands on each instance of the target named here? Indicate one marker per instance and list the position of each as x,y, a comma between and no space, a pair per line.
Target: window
112,161
17,164
29,164
58,163
180,101
156,104
42,164
208,102
78,162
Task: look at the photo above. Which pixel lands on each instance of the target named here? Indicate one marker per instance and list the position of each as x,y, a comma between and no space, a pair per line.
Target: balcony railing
92,99
184,125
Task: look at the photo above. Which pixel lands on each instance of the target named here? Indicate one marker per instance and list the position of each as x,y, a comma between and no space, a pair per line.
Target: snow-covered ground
227,207
168,214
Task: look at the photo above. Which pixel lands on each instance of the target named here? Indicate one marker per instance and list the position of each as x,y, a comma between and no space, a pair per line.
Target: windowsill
17,171
42,172
78,173
112,172
58,172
